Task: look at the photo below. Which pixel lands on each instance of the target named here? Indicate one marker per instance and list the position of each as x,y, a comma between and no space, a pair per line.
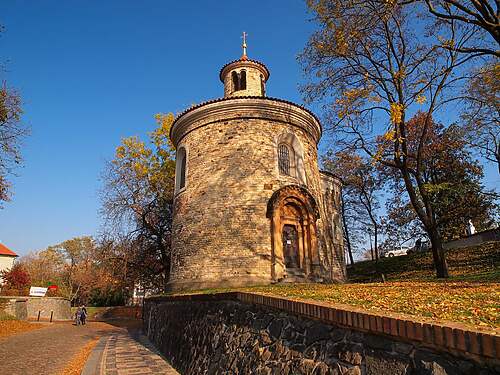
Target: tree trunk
426,216
438,253
375,241
371,246
346,231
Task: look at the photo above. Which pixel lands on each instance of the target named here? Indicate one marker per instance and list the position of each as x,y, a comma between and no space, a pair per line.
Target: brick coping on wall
448,337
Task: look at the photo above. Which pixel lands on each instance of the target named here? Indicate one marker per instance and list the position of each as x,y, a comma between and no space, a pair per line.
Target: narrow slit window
180,170
284,159
243,80
182,182
235,79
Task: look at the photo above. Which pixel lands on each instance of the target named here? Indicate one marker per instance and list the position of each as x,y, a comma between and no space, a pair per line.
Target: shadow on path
126,351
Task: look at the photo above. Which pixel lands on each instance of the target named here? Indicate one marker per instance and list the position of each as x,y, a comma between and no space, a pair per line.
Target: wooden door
290,246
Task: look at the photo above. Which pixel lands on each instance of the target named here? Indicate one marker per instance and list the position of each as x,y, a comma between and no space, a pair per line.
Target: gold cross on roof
244,43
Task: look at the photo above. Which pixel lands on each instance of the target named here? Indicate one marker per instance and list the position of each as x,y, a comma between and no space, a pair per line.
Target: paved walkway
126,354
48,350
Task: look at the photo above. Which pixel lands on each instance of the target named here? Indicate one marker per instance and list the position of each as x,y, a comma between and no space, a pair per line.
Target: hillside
477,263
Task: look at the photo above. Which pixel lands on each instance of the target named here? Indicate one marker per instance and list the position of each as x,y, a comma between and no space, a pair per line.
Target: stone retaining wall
245,333
28,307
474,239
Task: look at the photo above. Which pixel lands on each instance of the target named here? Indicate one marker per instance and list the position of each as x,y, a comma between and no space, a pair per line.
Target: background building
7,258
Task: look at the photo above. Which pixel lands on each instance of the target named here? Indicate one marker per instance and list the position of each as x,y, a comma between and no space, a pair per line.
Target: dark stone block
377,363
321,369
427,362
378,342
275,328
402,347
317,332
338,334
262,322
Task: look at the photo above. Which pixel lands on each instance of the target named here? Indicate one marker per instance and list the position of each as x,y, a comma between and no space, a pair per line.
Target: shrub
16,278
107,297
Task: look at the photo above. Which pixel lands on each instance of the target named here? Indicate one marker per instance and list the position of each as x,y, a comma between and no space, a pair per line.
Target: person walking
84,315
78,316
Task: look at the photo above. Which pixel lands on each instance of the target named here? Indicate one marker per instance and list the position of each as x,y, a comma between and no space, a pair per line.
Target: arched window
180,169
239,80
291,157
243,80
236,81
284,159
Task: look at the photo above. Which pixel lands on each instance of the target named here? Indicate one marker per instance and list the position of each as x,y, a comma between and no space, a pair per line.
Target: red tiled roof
4,250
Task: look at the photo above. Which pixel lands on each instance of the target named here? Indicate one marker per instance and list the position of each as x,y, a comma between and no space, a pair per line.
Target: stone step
295,272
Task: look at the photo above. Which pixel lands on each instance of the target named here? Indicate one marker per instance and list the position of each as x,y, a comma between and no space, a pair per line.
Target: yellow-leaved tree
374,68
137,202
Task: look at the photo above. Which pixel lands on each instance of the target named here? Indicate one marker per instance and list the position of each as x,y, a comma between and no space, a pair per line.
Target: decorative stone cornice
256,107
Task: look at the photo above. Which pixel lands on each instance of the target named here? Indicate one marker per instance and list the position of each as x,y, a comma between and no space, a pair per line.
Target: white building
7,258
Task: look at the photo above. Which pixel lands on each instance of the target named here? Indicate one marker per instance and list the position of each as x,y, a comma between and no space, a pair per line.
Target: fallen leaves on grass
12,327
476,263
474,304
77,363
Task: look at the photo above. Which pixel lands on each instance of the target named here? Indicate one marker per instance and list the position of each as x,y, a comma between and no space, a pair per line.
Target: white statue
470,228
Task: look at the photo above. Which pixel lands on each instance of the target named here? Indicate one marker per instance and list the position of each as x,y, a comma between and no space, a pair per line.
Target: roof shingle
4,250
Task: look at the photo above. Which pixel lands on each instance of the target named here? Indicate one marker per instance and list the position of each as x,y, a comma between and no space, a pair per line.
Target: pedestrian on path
78,316
84,315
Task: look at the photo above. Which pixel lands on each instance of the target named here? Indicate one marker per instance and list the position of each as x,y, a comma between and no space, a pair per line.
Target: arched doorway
293,212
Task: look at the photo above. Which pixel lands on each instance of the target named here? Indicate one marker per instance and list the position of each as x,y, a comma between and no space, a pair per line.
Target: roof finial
244,45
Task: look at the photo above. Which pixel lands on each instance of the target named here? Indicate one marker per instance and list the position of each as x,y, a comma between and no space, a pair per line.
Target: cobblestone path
47,351
126,354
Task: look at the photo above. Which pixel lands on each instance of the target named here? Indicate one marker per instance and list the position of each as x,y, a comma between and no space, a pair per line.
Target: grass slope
478,263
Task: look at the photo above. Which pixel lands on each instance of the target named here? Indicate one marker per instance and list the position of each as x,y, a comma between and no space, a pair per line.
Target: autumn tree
400,223
361,186
480,16
137,201
44,267
451,178
16,278
372,71
78,267
12,132
481,115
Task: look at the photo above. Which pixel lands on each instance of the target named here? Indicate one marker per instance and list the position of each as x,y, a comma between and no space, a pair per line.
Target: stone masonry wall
28,307
220,335
221,235
332,227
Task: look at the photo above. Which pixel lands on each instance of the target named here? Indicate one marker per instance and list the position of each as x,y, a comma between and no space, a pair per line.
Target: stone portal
293,212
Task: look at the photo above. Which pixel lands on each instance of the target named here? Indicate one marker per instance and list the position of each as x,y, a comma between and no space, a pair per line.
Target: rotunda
251,205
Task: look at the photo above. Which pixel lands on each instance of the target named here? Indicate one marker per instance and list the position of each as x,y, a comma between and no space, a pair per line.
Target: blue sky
93,72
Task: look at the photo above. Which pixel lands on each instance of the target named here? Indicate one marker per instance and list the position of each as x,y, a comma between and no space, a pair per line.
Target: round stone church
251,205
